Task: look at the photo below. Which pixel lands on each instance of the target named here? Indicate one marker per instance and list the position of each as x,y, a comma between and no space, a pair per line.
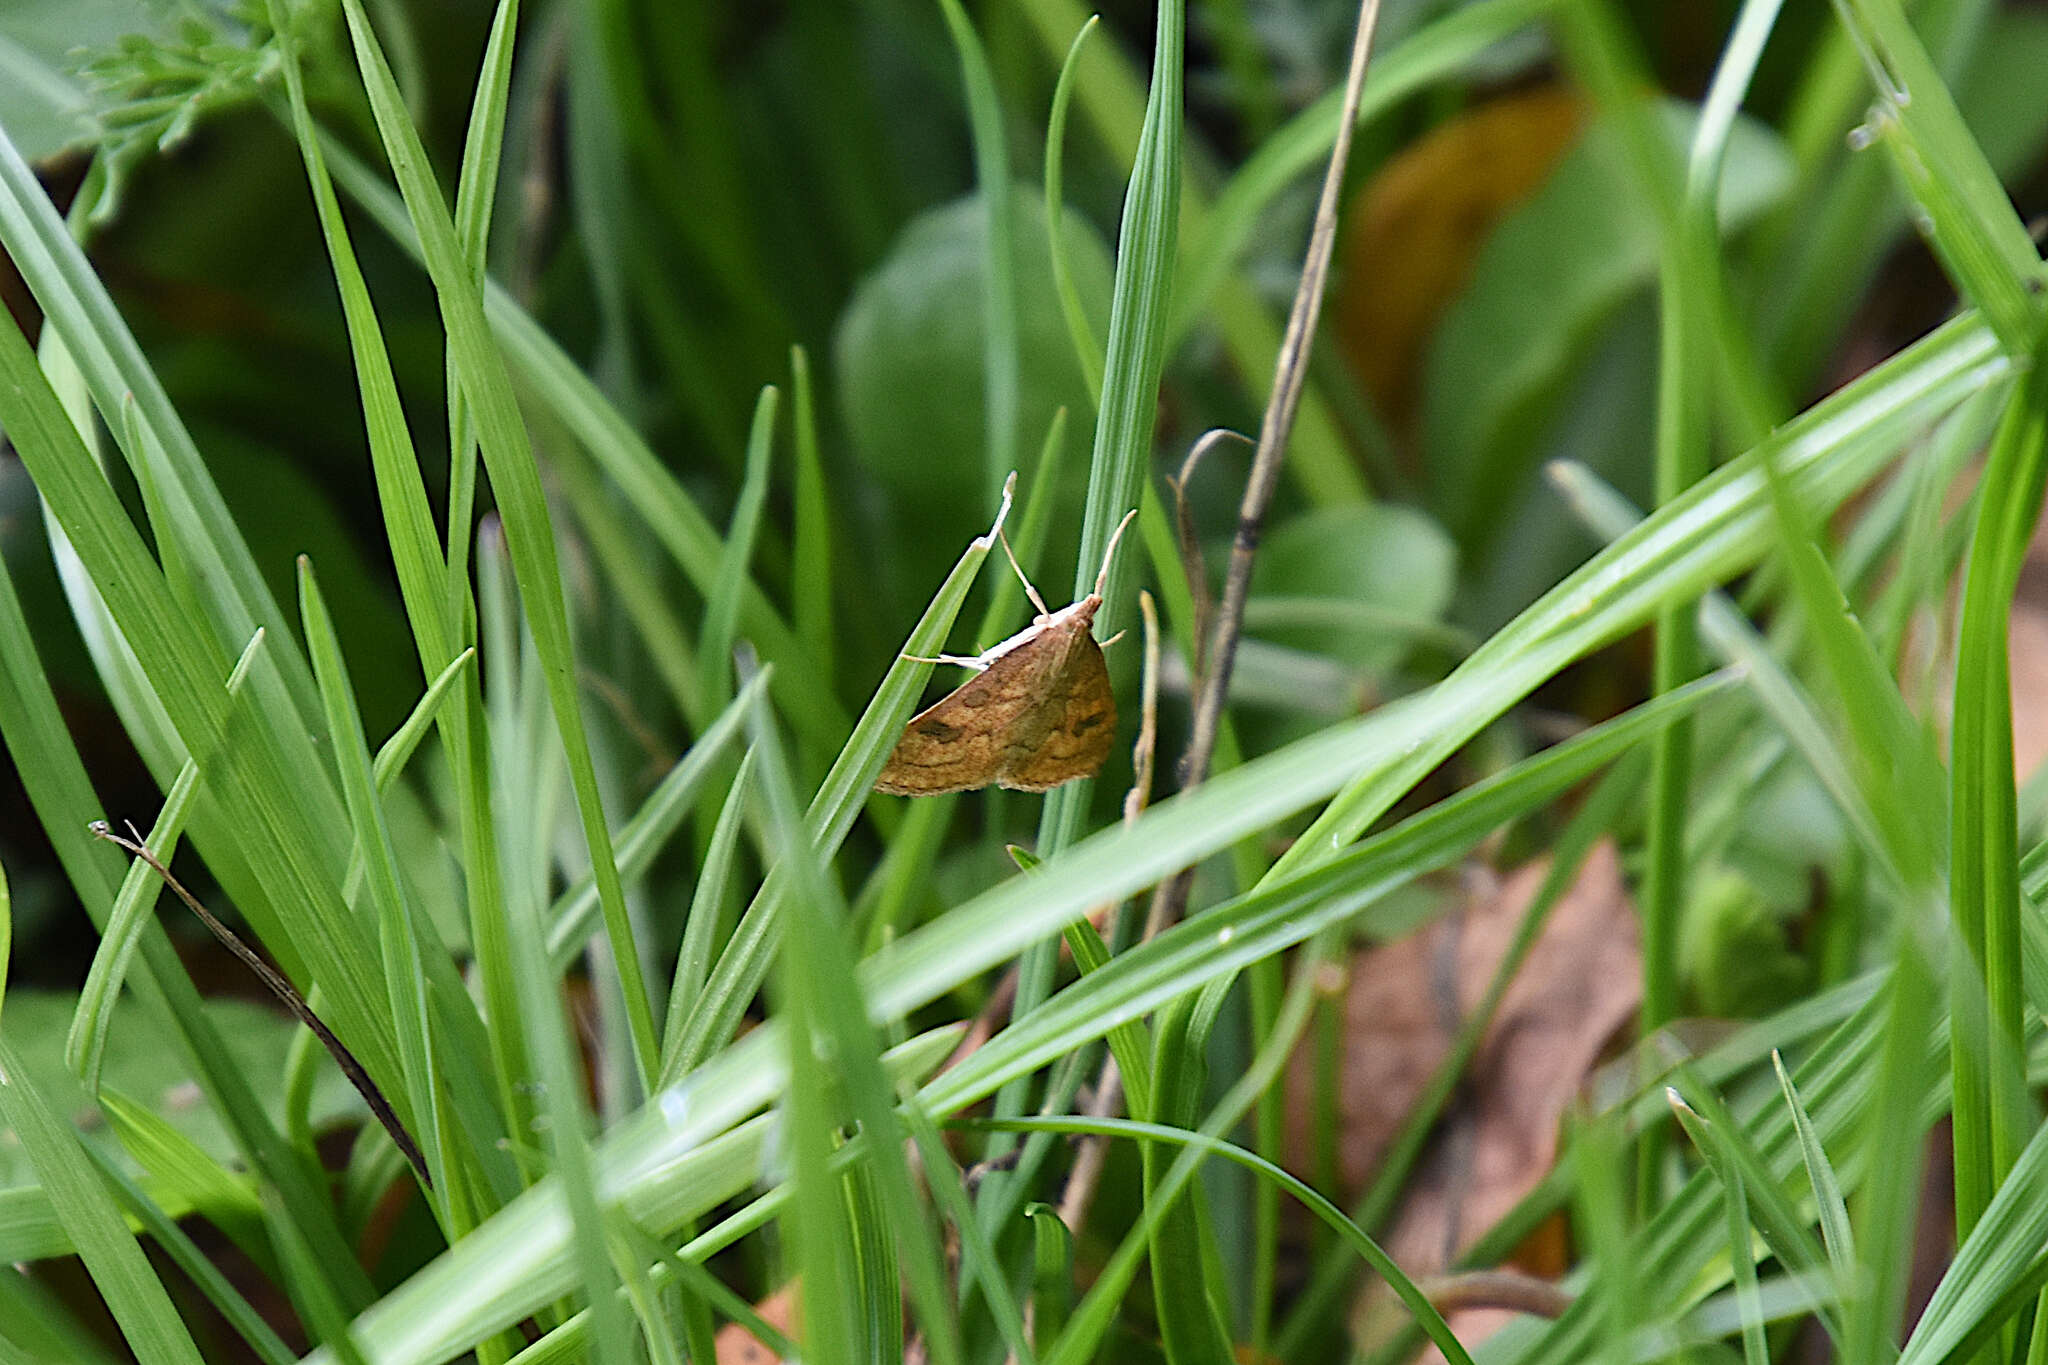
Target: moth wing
956,744
1071,734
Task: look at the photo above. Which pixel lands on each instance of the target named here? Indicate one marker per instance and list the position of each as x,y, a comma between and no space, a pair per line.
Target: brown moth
1039,711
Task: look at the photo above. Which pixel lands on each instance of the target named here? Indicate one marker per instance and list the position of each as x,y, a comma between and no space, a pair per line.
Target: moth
1038,712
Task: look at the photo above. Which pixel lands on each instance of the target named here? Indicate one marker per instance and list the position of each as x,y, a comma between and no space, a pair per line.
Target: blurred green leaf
1363,556
909,354
1548,278
141,1064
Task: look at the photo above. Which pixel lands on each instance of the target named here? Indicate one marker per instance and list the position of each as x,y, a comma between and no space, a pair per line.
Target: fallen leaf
1498,1138
735,1345
1412,231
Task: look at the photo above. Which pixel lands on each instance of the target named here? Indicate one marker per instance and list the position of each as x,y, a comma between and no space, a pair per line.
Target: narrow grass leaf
1984,893
85,1046
1833,1210
133,1293
722,607
1052,1271
395,913
829,1024
475,193
743,964
810,569
704,928
515,480
1087,348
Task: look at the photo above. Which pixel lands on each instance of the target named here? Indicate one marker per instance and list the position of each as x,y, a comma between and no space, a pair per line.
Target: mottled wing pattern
1039,715
1074,726
956,743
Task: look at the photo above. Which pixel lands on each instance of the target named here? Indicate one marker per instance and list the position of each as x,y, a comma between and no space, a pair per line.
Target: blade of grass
85,1045
743,964
122,1274
810,569
395,913
722,606
705,926
516,482
1001,361
1087,349
1820,1174
829,1020
1984,896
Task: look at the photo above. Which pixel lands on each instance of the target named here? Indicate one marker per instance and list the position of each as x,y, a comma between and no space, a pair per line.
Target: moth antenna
1109,550
1105,644
976,663
1029,591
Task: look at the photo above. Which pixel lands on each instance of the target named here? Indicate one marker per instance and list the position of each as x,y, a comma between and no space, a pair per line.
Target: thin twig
1191,566
285,992
1290,372
1508,1289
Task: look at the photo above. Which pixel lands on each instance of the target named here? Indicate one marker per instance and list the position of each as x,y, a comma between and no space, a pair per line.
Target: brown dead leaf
735,1345
2028,642
1412,231
1576,989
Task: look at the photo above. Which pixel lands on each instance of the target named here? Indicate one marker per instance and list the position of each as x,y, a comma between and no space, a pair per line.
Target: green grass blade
133,1293
1984,893
810,570
1052,1271
1836,1233
722,608
85,1045
1000,343
744,963
515,480
705,925
475,194
1087,348
1134,359
395,914
829,1020
397,751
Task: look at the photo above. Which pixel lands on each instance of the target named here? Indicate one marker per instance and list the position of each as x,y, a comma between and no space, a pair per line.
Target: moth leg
976,662
1029,591
1105,644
